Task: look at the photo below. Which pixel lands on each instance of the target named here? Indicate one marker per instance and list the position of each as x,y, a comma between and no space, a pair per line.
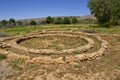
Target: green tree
33,22
12,21
58,20
66,20
3,22
74,20
20,22
49,20
106,11
115,11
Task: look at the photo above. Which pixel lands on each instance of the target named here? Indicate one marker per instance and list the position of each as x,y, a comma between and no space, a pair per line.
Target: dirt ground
106,67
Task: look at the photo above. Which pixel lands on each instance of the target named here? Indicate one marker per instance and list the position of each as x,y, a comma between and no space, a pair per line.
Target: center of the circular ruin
54,42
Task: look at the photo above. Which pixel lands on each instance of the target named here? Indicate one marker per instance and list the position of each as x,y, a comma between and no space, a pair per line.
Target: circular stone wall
15,44
75,54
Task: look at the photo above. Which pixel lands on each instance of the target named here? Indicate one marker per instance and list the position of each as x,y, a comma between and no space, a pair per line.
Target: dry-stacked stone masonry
45,58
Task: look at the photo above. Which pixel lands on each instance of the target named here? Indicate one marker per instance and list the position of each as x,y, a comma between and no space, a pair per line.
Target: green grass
112,30
17,64
119,65
77,52
3,56
54,42
118,78
118,39
24,30
20,30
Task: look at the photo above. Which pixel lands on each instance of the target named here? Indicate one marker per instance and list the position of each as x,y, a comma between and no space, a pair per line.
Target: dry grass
54,42
106,67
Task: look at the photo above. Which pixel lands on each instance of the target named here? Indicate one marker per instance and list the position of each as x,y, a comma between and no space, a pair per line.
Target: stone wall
14,42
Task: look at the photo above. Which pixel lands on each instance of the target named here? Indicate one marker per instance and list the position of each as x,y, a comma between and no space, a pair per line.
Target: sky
23,9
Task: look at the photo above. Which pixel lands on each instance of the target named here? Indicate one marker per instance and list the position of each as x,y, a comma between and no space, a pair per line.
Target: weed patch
2,56
17,64
118,78
118,39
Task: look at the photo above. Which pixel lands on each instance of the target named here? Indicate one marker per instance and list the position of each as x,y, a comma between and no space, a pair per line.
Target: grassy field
106,67
28,29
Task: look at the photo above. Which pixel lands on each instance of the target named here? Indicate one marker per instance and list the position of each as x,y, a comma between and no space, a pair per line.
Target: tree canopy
12,21
33,22
3,22
66,20
58,20
49,19
106,11
74,20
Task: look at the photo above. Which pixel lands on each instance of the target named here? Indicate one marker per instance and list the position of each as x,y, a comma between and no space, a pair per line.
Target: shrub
20,23
74,20
12,22
3,22
58,20
49,20
32,23
17,64
77,52
2,56
107,24
66,20
118,39
118,78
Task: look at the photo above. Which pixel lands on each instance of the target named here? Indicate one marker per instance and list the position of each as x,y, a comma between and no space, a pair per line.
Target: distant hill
39,20
92,17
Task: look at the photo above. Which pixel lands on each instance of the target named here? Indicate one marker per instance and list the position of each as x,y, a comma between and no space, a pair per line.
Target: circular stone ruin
64,55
